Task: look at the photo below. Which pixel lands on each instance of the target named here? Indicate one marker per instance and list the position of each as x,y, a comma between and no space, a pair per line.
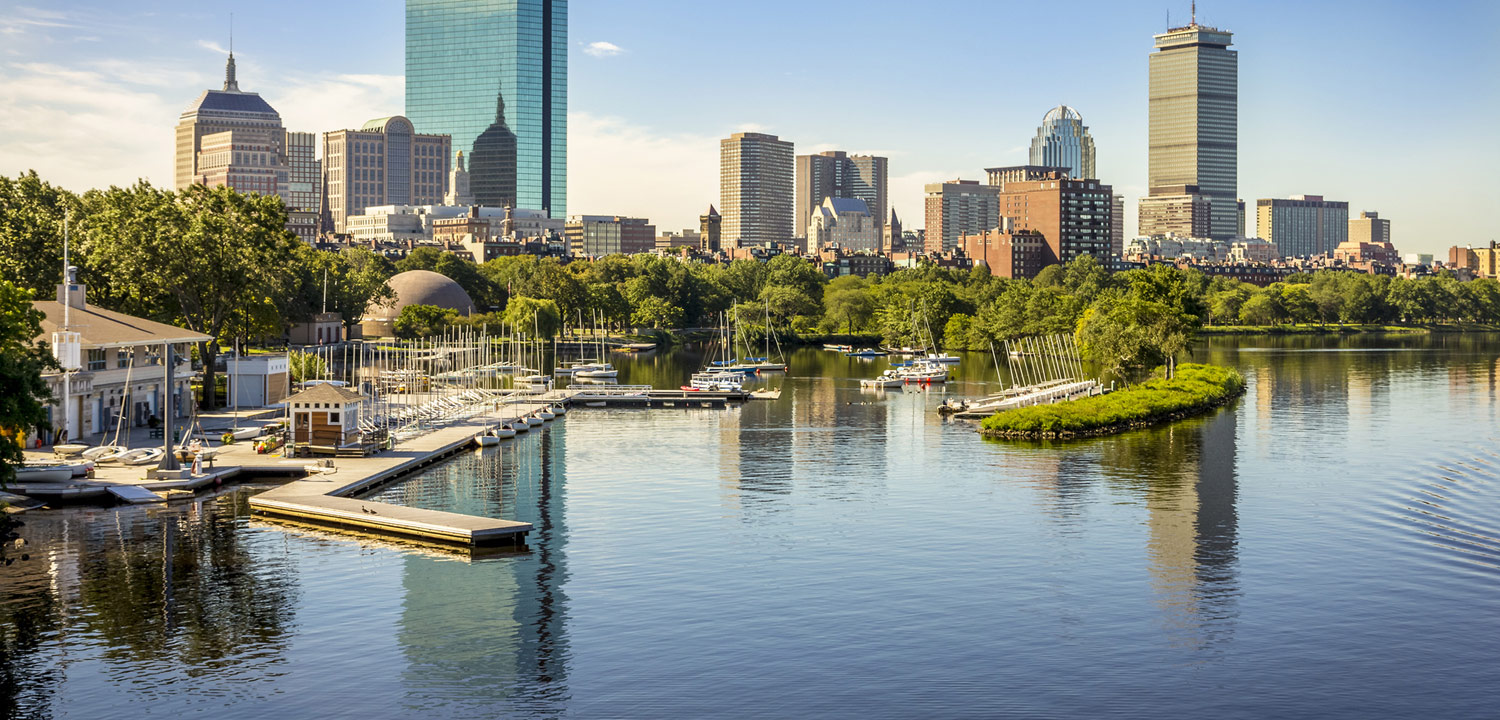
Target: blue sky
1387,105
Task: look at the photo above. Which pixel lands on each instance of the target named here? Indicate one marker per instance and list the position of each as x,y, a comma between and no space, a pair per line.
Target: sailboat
600,369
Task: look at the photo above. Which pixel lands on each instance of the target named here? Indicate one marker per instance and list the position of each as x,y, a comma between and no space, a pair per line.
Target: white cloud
339,102
211,45
603,49
750,127
615,167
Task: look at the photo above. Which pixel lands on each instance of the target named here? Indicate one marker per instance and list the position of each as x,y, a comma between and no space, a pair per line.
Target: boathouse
325,416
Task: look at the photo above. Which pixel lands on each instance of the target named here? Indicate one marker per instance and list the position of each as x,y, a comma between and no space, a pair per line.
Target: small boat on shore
103,451
45,473
142,456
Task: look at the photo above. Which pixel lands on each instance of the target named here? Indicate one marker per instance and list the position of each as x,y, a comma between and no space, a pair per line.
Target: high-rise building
600,235
1064,141
1073,216
247,160
1183,214
493,179
383,163
466,60
836,174
710,230
1117,226
1194,122
217,111
959,208
304,191
1369,227
1303,225
755,189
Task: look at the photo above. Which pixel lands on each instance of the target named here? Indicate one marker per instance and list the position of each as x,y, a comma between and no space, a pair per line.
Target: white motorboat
716,381
142,456
533,420
887,379
95,453
924,372
44,473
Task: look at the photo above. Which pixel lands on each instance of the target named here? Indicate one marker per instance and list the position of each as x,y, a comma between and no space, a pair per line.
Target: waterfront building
755,189
595,236
217,111
1064,141
501,65
113,348
1303,225
1000,176
1193,108
958,208
1186,213
710,231
835,173
1369,227
842,222
1074,215
303,193
386,162
1008,253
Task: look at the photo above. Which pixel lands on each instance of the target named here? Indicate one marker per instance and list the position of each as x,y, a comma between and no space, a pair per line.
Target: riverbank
1345,329
1196,389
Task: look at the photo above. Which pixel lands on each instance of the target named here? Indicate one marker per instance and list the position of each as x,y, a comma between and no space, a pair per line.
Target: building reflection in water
171,594
495,629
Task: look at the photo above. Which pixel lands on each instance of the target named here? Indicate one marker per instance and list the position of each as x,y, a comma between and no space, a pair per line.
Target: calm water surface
1329,545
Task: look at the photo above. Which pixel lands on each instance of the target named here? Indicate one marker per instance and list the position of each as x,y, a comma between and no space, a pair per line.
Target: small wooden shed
325,415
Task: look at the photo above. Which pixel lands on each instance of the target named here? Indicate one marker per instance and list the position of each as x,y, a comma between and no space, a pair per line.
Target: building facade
383,163
217,111
835,173
1000,176
1187,214
1117,225
1075,217
1064,141
466,60
1369,227
249,161
1194,127
710,231
958,208
1015,254
755,189
304,190
599,235
1303,225
844,223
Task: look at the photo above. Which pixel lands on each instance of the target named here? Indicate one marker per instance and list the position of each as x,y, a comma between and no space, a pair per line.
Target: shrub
1194,387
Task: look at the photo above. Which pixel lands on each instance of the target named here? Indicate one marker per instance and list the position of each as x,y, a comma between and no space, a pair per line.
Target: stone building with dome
414,287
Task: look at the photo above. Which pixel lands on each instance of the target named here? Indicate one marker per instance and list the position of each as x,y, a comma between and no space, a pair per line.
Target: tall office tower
755,189
304,191
1239,206
493,178
1302,225
217,111
959,208
1194,122
1064,141
383,163
465,60
837,174
709,229
1369,227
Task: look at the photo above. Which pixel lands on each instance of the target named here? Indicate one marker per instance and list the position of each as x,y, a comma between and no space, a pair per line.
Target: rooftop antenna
1194,20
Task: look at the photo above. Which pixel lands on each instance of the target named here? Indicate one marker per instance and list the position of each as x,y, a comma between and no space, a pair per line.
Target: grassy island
1194,389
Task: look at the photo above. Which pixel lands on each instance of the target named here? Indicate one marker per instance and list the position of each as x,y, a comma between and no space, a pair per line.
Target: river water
1329,545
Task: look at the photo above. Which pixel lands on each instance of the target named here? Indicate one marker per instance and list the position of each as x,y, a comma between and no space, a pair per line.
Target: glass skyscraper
465,59
1064,141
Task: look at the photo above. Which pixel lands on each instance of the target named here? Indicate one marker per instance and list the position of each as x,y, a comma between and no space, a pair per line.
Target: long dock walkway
325,498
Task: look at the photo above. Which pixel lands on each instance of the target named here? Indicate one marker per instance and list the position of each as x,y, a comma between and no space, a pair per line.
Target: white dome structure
415,287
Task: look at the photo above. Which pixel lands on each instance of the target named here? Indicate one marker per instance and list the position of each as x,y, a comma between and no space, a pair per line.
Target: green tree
215,260
606,299
533,317
31,232
798,274
1133,334
23,359
848,300
423,321
654,312
348,281
306,366
1261,309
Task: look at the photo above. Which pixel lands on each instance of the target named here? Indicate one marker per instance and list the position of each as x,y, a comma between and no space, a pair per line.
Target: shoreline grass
1345,328
1195,389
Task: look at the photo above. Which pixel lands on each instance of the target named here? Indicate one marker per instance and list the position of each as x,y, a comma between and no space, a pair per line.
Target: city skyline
74,75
